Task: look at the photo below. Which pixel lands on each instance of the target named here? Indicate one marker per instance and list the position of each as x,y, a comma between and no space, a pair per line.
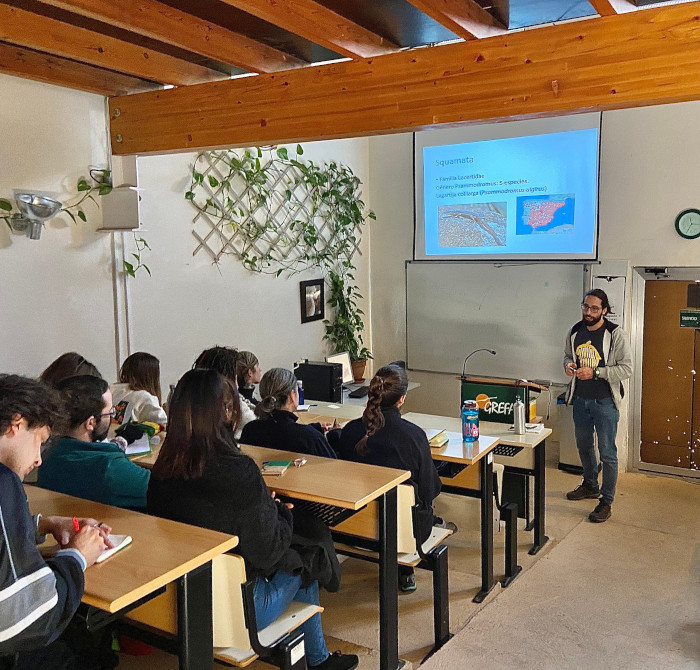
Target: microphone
476,351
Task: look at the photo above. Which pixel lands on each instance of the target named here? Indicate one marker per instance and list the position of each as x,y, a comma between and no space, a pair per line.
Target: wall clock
688,224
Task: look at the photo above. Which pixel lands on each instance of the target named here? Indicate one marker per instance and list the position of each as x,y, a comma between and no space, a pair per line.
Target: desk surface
161,550
490,428
456,449
326,480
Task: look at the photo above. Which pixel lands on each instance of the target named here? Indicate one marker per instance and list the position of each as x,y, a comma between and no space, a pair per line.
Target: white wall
56,293
650,164
189,304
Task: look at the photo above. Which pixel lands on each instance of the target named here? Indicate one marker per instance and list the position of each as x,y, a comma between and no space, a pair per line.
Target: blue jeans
273,597
601,415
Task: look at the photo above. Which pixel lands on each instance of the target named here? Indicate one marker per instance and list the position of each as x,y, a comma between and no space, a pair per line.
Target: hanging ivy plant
284,214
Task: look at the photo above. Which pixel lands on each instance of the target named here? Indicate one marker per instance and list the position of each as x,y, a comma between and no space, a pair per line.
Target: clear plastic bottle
300,391
470,421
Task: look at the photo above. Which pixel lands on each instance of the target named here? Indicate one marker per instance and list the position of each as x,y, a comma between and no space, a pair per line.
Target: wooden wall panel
641,58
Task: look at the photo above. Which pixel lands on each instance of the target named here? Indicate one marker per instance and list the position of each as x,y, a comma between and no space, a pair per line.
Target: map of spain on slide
544,214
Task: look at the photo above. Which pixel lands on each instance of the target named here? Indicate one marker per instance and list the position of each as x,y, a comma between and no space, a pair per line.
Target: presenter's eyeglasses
592,309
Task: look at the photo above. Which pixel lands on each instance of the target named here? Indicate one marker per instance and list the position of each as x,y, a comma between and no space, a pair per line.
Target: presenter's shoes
582,492
338,661
601,513
407,581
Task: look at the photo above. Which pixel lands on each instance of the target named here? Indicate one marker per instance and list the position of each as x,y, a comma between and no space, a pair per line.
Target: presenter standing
597,356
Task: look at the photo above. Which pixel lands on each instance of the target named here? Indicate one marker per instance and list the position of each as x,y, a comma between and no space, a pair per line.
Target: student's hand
277,500
61,527
570,369
584,373
89,542
336,425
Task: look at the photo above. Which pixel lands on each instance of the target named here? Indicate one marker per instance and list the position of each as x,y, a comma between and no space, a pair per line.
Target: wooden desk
351,486
529,462
476,481
162,551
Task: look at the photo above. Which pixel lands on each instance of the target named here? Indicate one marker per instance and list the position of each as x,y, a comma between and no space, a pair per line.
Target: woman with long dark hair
202,478
277,426
136,396
382,437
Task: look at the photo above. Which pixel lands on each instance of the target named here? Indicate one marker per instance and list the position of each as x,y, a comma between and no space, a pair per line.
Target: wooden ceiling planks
639,58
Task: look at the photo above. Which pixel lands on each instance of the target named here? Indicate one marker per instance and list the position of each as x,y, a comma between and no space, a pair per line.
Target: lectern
495,396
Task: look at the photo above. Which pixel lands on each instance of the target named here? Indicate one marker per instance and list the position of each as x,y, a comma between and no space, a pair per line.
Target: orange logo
483,401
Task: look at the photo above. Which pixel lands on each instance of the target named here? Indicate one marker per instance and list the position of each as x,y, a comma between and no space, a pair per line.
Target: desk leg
388,584
195,640
540,538
487,581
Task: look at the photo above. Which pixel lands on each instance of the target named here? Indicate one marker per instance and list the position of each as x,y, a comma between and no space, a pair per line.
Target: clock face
688,224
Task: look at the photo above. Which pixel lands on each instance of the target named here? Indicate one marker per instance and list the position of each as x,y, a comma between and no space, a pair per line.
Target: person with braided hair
382,437
277,426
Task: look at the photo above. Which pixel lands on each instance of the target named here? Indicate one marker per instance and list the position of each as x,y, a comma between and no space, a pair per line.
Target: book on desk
436,436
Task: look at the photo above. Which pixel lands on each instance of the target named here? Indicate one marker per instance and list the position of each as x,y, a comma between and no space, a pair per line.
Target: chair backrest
228,576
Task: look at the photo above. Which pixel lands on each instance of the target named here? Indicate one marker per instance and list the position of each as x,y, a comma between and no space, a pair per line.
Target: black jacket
37,598
399,444
231,497
281,431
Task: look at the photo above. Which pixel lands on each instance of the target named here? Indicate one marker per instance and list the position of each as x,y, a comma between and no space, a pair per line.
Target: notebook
119,542
437,437
274,468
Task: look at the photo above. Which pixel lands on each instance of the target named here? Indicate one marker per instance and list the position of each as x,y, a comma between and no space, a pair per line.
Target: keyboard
507,450
359,392
329,514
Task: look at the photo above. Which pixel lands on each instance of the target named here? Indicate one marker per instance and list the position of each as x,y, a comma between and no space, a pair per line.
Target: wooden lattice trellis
233,219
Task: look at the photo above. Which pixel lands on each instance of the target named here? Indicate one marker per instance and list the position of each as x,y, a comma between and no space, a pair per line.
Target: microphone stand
476,351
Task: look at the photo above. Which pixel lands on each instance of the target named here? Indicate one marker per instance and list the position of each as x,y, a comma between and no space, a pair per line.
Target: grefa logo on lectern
484,403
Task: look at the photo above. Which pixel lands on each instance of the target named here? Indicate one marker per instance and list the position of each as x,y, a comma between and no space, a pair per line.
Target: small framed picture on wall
312,301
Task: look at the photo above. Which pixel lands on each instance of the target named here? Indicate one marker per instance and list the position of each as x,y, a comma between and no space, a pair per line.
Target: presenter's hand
89,542
584,373
570,369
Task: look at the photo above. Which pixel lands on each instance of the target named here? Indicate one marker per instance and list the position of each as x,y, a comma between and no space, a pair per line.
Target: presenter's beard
592,320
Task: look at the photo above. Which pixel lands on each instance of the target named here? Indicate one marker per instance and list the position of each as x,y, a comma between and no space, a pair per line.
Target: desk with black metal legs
161,552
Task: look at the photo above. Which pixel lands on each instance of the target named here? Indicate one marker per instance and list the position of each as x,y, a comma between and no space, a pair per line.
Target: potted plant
344,331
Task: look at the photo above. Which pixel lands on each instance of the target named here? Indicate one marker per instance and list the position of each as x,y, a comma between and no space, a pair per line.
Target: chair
431,555
236,637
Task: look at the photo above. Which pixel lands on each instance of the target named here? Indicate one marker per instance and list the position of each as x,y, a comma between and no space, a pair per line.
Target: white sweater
140,405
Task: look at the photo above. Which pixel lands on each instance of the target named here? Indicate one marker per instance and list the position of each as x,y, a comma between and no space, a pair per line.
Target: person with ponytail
382,437
277,426
247,375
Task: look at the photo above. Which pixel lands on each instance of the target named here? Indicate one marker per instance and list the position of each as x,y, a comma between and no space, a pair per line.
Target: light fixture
35,209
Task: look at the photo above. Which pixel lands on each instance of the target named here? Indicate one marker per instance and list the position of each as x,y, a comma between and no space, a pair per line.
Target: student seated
137,395
277,426
382,437
79,463
38,597
202,478
68,365
248,374
224,360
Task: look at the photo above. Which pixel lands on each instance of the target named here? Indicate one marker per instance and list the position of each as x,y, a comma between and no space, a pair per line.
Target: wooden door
670,424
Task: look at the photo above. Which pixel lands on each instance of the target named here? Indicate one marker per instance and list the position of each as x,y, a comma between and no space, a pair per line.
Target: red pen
76,525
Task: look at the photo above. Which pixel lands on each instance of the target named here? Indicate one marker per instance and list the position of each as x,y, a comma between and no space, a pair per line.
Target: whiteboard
523,312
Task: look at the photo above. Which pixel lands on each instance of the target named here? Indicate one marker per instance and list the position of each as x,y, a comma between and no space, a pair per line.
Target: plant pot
358,370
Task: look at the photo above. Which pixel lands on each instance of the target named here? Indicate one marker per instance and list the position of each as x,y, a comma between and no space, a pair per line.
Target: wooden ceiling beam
318,24
158,21
465,18
49,69
611,7
23,28
640,58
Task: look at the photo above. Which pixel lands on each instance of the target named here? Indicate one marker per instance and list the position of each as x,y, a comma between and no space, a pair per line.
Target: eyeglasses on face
112,412
591,308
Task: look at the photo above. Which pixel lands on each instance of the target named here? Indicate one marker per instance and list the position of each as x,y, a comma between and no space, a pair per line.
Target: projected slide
532,196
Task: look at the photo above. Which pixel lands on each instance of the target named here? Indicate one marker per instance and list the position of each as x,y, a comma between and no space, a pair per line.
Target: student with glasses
80,463
598,358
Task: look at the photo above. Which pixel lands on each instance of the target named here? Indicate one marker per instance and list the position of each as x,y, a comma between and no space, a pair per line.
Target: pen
76,525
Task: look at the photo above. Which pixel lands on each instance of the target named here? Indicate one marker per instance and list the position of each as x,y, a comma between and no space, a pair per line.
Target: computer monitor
344,359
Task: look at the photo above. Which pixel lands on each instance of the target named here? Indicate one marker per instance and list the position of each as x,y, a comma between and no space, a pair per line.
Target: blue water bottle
470,421
300,391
